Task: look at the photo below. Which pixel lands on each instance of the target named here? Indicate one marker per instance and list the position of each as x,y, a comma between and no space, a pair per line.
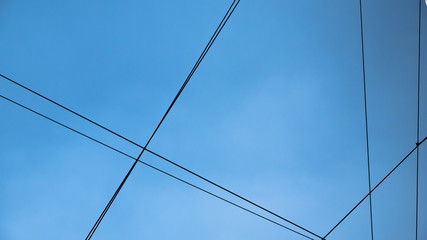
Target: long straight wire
221,25
376,186
418,116
146,149
201,189
150,166
366,116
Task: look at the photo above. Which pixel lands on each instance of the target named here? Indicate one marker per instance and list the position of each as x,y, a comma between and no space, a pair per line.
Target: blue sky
275,113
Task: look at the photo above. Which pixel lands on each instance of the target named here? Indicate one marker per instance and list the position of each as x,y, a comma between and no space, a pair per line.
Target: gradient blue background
275,113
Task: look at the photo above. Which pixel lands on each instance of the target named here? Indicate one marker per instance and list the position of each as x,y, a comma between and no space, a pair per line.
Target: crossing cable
146,149
366,115
151,166
211,41
376,186
418,116
156,154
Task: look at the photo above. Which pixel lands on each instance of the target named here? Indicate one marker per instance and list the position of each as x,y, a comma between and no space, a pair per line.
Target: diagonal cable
366,116
211,41
148,150
376,186
150,166
134,143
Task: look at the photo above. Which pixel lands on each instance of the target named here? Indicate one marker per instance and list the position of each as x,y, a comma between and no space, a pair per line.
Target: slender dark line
150,166
63,125
156,154
90,234
366,116
243,198
136,144
418,117
373,189
189,76
148,150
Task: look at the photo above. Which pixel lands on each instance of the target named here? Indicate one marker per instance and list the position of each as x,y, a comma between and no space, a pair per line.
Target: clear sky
275,113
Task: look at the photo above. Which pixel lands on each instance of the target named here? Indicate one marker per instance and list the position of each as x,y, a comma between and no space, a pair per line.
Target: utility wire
176,97
211,41
366,116
418,116
154,153
146,149
148,165
192,185
373,189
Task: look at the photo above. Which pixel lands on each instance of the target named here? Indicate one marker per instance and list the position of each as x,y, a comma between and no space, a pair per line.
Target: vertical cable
366,117
418,116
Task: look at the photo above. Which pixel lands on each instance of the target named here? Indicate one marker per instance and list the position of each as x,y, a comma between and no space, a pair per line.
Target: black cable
373,189
221,25
154,153
418,117
366,116
136,144
148,165
148,150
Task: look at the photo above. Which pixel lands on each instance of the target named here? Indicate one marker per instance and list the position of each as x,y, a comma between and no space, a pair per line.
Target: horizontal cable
155,168
373,189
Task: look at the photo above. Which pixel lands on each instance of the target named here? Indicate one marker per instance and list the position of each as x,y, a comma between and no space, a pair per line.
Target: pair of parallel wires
192,185
102,215
366,118
218,30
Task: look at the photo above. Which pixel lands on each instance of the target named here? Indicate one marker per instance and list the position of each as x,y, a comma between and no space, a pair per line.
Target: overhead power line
211,41
376,186
151,166
366,115
148,150
136,144
418,115
154,153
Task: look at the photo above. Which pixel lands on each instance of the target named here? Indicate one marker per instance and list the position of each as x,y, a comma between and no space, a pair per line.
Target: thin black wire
418,116
148,150
373,189
221,25
366,116
148,165
134,143
176,97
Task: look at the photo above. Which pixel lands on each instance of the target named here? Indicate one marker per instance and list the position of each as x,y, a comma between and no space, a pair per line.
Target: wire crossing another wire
134,143
146,149
376,186
366,116
211,41
151,166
